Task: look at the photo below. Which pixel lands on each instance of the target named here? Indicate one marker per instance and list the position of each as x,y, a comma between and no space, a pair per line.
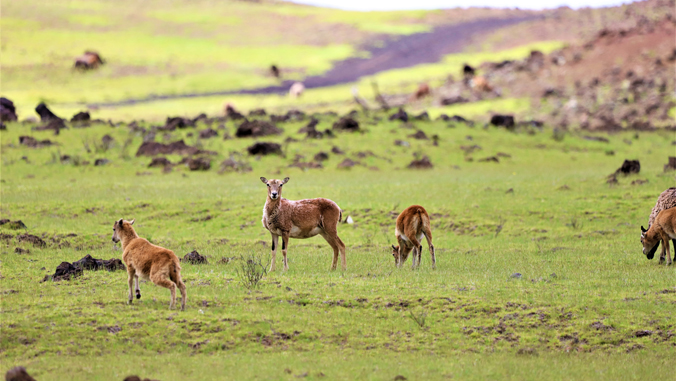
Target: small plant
501,224
575,224
558,134
419,318
251,270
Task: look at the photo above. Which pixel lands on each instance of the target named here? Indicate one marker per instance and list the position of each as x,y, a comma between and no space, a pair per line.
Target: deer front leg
667,254
275,242
285,245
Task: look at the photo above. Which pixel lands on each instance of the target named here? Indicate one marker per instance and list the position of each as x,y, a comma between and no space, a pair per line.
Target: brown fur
89,60
422,92
662,230
666,200
412,224
149,262
481,84
301,219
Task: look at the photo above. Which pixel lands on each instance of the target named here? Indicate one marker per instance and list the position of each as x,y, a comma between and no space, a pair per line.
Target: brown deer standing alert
412,224
301,219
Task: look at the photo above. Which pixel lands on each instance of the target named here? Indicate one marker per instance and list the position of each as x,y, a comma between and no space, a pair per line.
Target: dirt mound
309,127
173,123
321,156
422,163
307,165
31,142
454,100
257,112
18,250
233,114
82,116
159,162
233,165
671,164
420,135
629,167
55,125
399,115
45,113
137,378
7,110
506,121
265,148
199,164
208,133
195,258
346,124
174,148
423,116
256,128
18,374
14,225
347,163
32,239
90,263
101,162
64,271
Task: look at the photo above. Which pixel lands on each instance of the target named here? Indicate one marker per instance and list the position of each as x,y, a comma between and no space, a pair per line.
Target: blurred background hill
187,57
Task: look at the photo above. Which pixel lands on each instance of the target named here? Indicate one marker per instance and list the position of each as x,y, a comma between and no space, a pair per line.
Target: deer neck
272,206
127,236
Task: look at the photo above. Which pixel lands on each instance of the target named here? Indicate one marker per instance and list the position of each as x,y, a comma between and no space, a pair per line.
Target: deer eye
268,185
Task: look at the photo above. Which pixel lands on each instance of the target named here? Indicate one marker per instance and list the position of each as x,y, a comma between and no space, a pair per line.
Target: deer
666,200
301,219
663,229
149,262
412,224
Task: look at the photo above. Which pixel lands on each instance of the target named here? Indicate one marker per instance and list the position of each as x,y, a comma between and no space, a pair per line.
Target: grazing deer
663,229
89,60
666,200
149,262
301,219
412,224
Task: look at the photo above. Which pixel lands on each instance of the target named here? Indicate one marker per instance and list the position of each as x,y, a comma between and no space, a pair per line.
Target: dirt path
396,53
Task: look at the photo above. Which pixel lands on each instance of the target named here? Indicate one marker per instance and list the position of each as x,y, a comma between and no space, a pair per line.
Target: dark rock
506,121
14,225
208,133
671,164
81,116
195,258
422,163
256,128
629,167
309,127
159,162
265,148
175,148
420,135
337,150
257,112
468,70
199,164
101,162
34,240
454,100
7,110
423,116
399,115
233,114
18,374
321,156
347,163
88,263
45,113
346,124
65,271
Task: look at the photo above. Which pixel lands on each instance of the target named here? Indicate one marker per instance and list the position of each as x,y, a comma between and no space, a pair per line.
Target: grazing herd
320,216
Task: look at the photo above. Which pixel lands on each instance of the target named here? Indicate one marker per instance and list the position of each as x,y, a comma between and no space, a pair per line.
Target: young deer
663,229
412,224
301,219
149,262
666,200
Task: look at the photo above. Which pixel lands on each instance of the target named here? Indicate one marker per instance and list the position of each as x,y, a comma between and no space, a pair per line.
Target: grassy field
588,305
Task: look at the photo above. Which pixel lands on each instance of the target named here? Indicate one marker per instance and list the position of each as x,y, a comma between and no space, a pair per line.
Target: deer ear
132,221
643,229
286,180
119,223
264,180
394,247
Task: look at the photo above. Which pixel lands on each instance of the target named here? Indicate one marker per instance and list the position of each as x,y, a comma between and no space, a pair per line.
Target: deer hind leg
343,258
285,245
184,294
161,279
416,252
138,289
674,242
131,274
428,237
275,243
331,240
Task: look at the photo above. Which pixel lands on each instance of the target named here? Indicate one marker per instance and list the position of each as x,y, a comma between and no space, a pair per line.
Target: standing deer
301,219
412,224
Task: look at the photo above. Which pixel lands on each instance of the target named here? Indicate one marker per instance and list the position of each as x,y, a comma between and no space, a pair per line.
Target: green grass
571,236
